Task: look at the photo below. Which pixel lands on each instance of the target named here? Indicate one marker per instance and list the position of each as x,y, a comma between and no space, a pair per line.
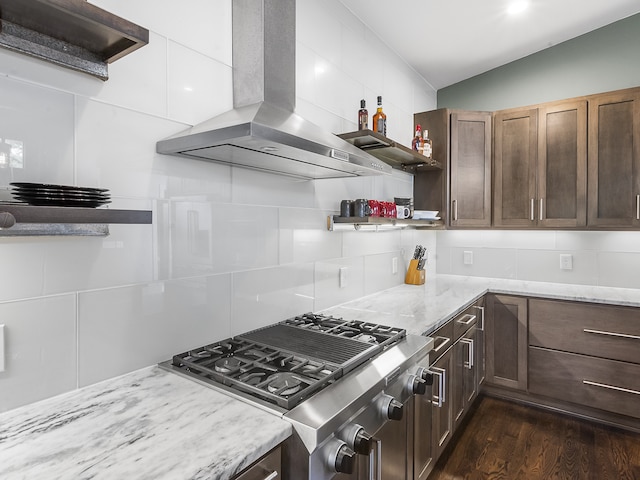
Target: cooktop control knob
345,460
391,408
426,375
417,385
395,410
356,438
363,442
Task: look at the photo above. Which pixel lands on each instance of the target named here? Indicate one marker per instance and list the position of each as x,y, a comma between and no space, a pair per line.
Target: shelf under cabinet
71,33
389,151
33,220
380,223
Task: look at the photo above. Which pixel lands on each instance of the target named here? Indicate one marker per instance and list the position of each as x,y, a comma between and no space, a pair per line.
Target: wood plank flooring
508,441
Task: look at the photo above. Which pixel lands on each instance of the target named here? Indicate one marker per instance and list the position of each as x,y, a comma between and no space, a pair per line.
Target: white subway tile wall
610,259
229,249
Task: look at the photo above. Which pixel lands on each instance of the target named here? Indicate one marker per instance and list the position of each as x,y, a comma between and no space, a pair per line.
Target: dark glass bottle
363,116
380,119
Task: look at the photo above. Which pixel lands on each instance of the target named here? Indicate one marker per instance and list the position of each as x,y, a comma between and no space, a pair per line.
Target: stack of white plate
43,194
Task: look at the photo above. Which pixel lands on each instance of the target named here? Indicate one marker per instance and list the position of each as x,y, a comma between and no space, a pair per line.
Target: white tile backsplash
127,328
36,134
328,290
229,249
599,258
262,297
40,355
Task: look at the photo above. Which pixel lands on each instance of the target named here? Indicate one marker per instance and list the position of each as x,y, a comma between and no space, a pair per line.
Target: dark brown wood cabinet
506,341
585,354
540,166
462,191
562,165
515,148
470,167
614,159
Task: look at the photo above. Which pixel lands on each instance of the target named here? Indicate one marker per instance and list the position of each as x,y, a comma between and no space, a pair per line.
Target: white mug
402,211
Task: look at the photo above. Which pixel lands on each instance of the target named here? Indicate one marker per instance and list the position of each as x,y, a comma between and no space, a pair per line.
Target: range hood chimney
262,131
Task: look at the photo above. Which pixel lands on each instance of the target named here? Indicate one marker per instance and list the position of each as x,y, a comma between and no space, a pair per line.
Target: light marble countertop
153,424
149,424
420,309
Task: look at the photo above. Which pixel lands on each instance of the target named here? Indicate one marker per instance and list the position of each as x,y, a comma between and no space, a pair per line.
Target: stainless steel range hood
262,131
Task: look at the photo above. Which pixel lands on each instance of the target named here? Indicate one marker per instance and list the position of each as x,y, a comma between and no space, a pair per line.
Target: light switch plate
394,265
468,257
1,348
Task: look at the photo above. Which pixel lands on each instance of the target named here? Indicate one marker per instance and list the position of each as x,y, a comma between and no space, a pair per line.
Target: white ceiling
447,41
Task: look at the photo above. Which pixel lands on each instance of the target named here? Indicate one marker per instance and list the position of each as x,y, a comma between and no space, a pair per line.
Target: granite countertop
149,424
154,424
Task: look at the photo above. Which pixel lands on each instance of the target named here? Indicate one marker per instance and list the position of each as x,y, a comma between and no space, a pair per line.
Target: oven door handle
375,471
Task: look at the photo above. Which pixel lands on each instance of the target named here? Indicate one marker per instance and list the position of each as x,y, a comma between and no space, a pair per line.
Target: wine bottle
380,119
363,116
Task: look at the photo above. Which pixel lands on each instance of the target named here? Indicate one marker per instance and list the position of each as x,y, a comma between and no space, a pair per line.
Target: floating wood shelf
23,220
380,223
71,33
389,151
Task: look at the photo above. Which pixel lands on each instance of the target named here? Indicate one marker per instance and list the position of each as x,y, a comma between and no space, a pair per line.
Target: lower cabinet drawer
609,385
268,467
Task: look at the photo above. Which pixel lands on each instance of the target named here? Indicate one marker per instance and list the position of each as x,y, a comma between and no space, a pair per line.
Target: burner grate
329,348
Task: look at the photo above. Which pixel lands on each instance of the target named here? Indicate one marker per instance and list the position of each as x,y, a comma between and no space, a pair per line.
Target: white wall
80,310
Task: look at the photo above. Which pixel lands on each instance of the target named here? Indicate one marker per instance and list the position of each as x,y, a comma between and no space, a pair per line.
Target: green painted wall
600,61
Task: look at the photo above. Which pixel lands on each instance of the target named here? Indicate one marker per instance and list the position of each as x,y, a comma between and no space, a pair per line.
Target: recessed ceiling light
517,6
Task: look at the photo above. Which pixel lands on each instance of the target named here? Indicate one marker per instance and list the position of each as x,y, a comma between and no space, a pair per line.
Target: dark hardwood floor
509,441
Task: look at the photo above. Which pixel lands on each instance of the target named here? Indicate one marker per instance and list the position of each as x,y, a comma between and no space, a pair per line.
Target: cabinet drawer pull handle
612,334
455,210
440,373
469,363
481,317
610,387
637,207
533,207
469,319
271,476
445,341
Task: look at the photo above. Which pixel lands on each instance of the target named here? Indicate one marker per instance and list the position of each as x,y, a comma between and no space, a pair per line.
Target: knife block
414,276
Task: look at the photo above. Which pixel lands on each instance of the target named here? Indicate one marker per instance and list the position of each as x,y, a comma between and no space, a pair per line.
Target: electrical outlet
468,257
394,265
1,348
342,275
566,261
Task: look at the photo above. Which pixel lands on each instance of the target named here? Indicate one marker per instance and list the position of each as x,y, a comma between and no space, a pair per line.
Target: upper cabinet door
614,159
562,165
470,169
515,155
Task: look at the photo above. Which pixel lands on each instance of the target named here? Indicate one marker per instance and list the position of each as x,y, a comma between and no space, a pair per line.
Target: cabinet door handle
377,458
611,334
271,476
481,317
610,387
469,342
444,342
533,208
469,319
440,373
541,209
455,210
637,207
